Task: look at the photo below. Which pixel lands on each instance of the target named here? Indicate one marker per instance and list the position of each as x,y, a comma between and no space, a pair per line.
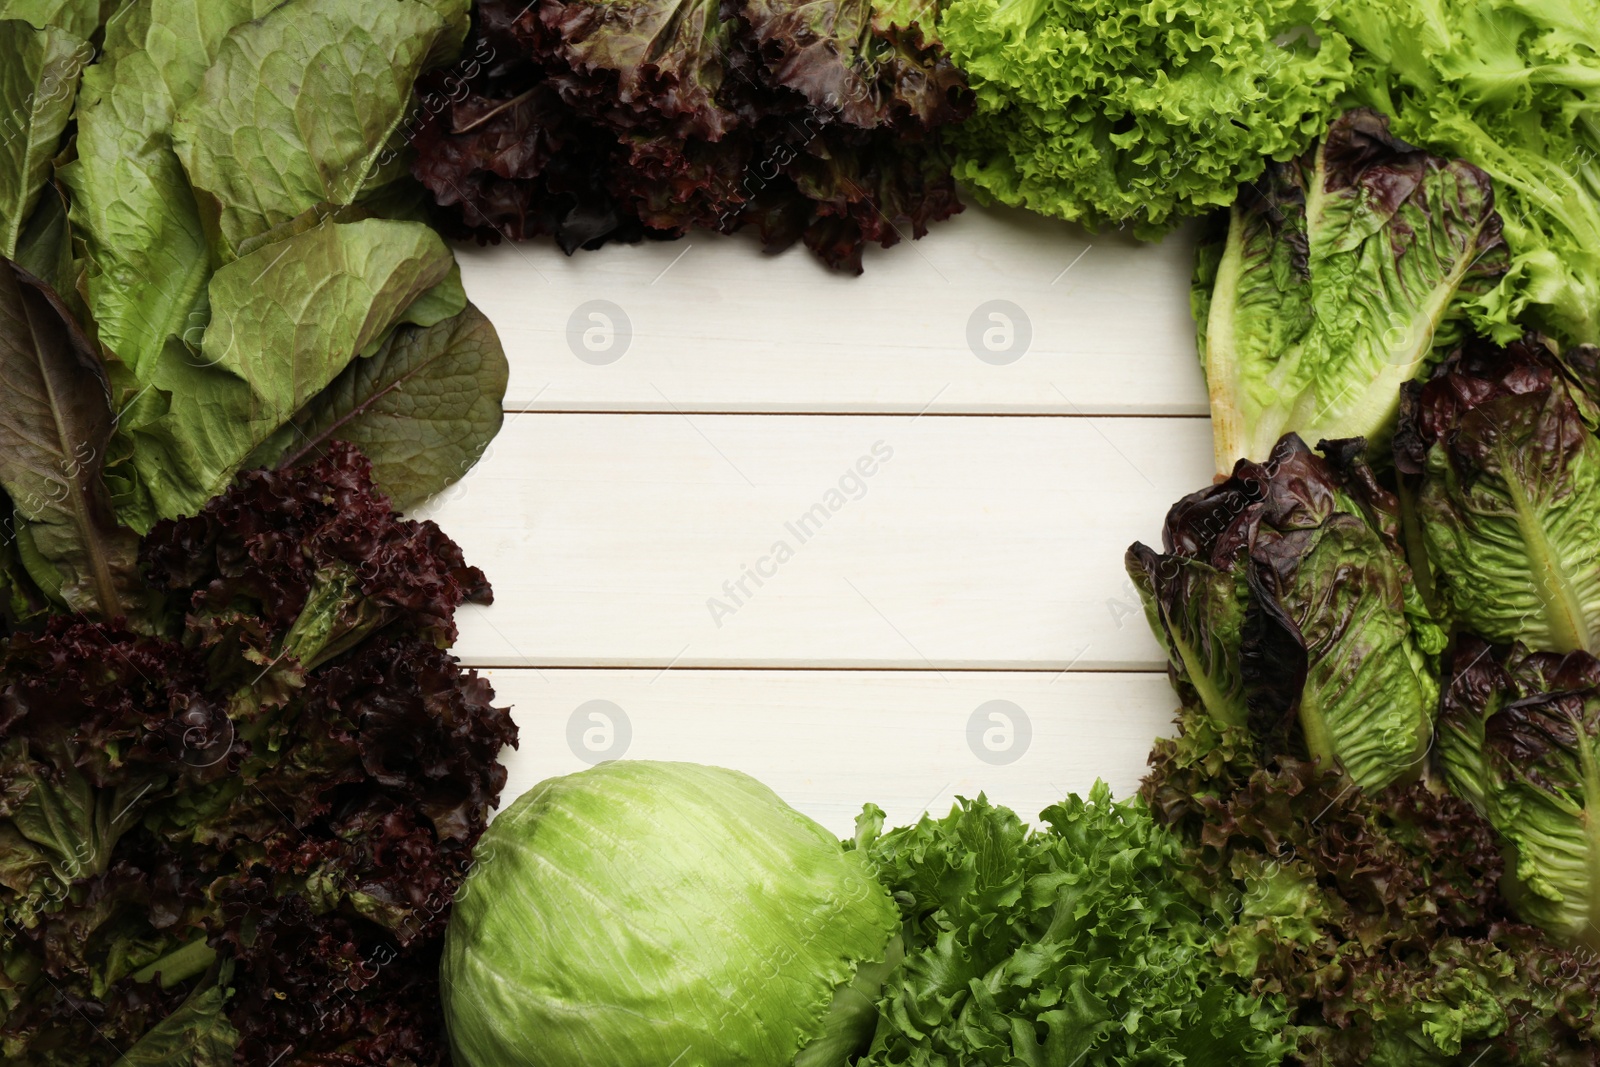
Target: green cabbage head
644,914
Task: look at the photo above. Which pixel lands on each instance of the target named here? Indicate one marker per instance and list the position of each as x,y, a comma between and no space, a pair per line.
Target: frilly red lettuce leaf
595,121
283,785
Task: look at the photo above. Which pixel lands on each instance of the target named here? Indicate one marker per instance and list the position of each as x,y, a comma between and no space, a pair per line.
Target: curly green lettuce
1076,944
1109,112
1513,86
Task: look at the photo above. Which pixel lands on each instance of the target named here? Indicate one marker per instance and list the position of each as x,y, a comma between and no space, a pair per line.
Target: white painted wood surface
830,741
640,489
718,326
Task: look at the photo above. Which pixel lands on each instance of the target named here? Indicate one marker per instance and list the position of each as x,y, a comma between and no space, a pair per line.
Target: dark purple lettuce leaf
1282,599
594,121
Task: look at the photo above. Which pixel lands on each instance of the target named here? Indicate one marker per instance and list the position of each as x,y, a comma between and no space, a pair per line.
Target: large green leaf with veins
422,409
296,110
286,320
38,82
131,203
1507,472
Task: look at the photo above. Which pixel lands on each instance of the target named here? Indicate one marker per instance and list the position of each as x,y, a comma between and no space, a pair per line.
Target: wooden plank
712,324
729,540
830,741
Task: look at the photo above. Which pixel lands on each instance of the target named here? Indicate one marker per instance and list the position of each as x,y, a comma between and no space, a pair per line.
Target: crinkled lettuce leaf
131,202
1075,944
1376,916
286,321
198,1034
1500,451
170,804
1514,86
1111,112
1526,752
297,110
1282,599
38,83
1340,276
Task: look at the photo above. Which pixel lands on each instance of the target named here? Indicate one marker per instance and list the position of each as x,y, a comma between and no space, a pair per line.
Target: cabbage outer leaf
643,913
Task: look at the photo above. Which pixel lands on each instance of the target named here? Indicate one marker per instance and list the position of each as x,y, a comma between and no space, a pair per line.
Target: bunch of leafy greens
1513,86
694,915
1338,277
231,826
1499,459
245,263
1374,914
1111,112
598,121
1348,880
240,776
1081,943
1286,607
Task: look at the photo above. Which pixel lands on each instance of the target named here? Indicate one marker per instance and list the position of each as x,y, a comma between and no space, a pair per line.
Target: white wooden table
846,534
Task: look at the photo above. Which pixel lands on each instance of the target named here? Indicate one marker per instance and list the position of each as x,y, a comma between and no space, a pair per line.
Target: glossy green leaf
297,109
44,248
131,203
38,83
422,409
286,320
55,422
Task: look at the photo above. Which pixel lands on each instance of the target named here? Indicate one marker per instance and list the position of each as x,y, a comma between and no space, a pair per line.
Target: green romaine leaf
38,82
422,409
1197,611
286,320
77,17
131,202
1527,754
45,248
1500,450
55,422
1340,277
297,109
